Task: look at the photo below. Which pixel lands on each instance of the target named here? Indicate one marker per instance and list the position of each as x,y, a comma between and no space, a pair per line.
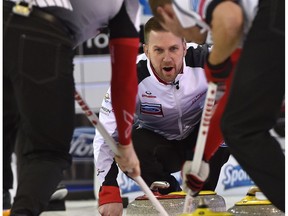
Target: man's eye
174,48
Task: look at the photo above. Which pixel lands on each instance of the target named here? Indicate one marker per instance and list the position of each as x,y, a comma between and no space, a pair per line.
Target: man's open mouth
168,69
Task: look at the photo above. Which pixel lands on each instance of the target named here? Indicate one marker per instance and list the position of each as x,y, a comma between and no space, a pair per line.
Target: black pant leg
38,61
255,100
10,125
158,158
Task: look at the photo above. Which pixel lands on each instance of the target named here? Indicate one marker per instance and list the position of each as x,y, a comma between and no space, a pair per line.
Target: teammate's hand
128,160
218,73
110,201
172,23
194,181
109,209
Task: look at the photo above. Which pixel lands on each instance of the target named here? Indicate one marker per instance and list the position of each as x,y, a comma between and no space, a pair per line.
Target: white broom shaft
202,136
96,123
112,144
204,127
151,196
187,202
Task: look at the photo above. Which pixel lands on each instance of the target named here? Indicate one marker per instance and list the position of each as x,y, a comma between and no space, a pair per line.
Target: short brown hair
152,25
154,4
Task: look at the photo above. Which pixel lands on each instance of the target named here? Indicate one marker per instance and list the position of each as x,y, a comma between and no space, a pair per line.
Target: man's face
165,51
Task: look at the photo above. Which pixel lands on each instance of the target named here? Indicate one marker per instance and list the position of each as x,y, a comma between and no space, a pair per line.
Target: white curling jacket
172,110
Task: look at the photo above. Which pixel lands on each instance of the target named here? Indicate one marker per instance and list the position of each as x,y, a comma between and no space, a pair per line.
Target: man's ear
145,49
185,47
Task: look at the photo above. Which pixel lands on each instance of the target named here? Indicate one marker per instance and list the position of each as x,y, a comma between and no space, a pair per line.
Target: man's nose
167,57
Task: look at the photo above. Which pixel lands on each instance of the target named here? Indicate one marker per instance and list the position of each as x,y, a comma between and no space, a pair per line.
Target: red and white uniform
169,109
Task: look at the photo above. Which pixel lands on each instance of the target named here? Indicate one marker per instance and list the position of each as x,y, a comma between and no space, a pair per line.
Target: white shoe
60,193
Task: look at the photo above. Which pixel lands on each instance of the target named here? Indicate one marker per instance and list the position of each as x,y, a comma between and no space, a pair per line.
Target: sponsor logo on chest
151,109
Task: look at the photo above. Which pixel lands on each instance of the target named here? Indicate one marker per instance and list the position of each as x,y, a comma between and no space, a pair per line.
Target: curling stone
214,201
173,203
251,205
203,210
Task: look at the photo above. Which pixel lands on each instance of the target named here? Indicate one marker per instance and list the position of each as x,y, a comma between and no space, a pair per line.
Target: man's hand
220,72
170,22
111,209
127,160
110,201
194,181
